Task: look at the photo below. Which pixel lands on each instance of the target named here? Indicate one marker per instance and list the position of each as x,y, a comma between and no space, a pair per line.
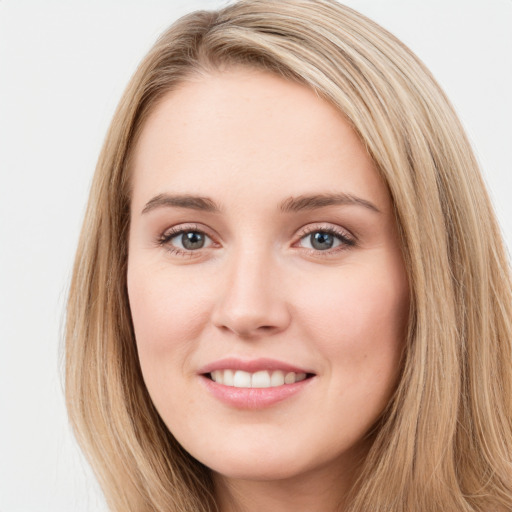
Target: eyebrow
312,202
204,204
290,205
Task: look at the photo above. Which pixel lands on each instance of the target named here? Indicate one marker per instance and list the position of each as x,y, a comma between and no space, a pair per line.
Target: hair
445,439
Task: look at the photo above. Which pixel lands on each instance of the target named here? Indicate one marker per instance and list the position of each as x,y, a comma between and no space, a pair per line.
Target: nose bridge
251,301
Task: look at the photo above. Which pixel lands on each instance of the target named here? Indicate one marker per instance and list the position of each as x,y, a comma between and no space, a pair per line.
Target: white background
63,67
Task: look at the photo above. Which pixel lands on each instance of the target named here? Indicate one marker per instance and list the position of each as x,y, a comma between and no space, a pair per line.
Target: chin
260,470
247,459
260,462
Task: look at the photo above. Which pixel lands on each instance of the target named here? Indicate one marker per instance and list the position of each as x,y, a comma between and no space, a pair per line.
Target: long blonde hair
445,441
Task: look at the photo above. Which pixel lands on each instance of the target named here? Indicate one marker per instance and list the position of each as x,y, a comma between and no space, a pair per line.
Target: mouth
255,383
260,379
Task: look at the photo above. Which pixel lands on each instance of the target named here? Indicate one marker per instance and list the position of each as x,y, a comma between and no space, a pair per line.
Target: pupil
321,240
192,240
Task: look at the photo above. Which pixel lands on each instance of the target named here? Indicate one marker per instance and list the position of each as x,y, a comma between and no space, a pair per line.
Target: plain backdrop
63,67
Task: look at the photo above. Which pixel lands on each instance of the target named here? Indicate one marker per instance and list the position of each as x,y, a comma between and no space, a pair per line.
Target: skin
250,140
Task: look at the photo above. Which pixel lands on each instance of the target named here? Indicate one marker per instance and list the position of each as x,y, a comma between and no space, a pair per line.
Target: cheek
358,324
168,314
359,320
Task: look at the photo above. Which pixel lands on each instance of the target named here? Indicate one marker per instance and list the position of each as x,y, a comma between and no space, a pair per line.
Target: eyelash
347,241
168,235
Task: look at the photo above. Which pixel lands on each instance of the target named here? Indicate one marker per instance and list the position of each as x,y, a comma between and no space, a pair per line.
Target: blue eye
322,241
185,240
325,240
192,240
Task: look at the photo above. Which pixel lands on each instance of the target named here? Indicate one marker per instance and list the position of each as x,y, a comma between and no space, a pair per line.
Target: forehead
248,129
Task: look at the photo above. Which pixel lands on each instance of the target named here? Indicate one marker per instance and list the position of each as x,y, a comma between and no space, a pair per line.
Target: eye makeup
318,240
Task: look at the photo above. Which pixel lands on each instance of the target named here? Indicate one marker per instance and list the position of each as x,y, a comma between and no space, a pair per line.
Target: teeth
277,378
228,379
241,379
289,378
261,379
218,376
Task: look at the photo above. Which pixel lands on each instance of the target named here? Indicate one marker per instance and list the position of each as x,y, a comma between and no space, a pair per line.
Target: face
266,283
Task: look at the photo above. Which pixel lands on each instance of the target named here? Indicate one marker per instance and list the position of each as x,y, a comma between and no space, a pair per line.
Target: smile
259,379
256,383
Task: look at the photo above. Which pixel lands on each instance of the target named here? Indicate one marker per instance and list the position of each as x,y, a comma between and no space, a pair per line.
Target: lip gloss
253,398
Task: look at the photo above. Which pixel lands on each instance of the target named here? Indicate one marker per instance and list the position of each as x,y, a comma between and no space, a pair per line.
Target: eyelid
346,238
168,234
325,226
184,227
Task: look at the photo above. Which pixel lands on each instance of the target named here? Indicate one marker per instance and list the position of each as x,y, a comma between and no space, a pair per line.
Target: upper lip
251,365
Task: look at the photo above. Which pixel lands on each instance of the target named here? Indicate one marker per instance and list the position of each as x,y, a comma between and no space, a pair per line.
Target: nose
251,303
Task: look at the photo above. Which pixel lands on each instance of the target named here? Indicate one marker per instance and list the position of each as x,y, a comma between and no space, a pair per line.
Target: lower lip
254,398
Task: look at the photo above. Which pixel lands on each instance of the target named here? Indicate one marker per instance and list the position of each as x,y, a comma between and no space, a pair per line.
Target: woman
290,291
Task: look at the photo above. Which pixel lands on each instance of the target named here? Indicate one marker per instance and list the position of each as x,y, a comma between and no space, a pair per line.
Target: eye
190,240
326,239
182,240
